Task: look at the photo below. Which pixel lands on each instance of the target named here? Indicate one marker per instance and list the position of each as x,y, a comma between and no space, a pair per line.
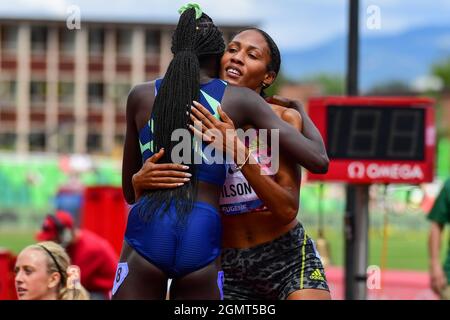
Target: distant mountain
405,56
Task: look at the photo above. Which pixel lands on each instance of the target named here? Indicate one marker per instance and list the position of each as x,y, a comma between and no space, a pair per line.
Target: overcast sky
292,23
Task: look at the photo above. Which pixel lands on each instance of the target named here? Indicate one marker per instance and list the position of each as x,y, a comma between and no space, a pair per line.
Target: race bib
237,194
121,274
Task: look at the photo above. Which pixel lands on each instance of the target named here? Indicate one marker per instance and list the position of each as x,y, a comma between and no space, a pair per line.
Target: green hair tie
196,7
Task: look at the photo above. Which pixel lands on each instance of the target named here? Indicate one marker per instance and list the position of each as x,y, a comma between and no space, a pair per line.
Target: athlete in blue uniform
175,248
266,252
176,233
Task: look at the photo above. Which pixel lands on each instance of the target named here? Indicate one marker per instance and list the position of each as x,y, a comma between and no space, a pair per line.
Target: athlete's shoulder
240,90
292,117
241,96
142,90
141,94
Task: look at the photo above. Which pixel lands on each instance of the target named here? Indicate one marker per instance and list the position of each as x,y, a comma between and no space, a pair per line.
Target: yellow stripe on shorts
303,261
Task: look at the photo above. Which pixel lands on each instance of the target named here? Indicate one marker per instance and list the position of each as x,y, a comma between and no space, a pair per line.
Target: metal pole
349,234
352,60
356,220
361,241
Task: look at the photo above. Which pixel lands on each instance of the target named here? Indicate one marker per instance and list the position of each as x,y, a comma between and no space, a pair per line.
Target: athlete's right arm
245,107
138,110
154,175
137,177
131,161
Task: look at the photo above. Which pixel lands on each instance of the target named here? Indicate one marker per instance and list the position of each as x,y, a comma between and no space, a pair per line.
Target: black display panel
376,133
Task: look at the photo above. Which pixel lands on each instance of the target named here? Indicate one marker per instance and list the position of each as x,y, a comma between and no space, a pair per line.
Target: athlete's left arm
280,195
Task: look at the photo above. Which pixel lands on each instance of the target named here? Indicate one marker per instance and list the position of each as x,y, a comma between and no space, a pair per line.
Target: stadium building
64,90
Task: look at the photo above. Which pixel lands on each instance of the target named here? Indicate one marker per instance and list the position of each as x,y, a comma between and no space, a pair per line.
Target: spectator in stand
94,255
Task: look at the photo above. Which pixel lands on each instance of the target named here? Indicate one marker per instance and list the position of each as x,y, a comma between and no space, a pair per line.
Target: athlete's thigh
309,294
198,285
136,278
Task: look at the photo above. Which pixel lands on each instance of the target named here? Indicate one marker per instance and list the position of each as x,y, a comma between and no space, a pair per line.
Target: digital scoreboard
376,139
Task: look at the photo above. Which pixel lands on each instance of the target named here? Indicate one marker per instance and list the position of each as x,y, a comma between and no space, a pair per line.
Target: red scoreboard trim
365,171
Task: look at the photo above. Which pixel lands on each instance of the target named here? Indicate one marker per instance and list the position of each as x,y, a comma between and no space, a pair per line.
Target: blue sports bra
211,95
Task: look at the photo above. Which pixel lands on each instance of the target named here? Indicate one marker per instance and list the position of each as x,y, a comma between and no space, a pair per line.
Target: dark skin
253,111
244,64
244,107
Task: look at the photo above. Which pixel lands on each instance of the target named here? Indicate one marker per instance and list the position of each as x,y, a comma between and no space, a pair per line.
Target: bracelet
238,168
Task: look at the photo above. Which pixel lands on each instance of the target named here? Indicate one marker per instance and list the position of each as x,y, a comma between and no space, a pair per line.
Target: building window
9,38
37,141
152,42
38,90
95,93
121,91
8,93
119,140
65,139
124,42
96,41
67,42
38,40
7,141
66,94
94,142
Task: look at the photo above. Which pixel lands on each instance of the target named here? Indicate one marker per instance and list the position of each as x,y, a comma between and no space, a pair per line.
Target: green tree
441,70
391,87
275,87
331,84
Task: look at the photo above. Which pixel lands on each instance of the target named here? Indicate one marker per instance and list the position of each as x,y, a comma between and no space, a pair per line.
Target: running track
395,285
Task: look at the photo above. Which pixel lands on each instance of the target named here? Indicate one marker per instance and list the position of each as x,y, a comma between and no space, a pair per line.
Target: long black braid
192,42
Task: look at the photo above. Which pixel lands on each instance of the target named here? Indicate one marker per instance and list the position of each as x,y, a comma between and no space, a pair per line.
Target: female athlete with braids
266,252
176,233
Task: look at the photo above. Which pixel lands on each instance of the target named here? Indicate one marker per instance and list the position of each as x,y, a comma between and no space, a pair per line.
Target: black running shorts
273,270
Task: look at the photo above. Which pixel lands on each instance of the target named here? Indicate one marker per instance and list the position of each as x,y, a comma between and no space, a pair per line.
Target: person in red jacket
93,254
